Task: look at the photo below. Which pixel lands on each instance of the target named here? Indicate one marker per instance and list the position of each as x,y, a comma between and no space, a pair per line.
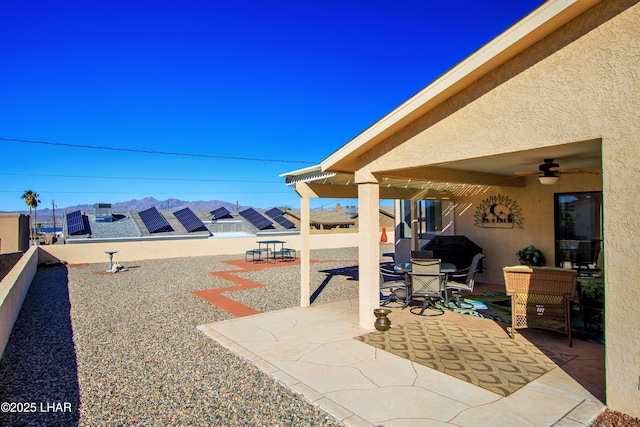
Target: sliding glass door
578,230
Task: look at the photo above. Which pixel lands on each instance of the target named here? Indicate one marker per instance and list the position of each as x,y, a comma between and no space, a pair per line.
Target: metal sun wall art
498,212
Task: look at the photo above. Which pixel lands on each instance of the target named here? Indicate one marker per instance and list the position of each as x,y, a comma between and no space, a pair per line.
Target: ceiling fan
548,172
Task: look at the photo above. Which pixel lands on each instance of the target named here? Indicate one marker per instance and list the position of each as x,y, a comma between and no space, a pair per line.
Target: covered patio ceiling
455,178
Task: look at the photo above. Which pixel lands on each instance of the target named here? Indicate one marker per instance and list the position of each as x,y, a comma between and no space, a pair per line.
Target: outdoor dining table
405,267
270,247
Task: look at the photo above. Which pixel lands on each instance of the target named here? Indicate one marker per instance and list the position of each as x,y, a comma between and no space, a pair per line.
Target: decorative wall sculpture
498,212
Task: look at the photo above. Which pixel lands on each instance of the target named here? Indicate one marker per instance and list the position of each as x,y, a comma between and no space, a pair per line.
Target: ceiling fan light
548,180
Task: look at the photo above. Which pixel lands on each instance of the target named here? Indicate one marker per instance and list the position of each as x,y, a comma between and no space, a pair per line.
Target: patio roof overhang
400,184
446,180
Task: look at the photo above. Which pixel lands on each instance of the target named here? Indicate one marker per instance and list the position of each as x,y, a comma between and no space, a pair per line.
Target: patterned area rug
487,305
498,364
497,306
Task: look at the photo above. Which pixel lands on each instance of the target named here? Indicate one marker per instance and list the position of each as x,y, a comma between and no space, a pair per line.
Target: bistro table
270,247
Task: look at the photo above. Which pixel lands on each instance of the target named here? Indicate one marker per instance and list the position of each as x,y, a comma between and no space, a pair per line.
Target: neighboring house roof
389,211
325,217
336,217
127,225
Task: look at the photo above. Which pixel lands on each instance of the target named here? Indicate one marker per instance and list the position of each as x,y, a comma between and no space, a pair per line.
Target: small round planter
382,322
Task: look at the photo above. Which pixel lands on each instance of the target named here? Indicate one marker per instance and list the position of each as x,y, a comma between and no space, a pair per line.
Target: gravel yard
123,349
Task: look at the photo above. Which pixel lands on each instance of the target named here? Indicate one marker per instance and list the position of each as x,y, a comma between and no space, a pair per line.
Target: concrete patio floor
311,350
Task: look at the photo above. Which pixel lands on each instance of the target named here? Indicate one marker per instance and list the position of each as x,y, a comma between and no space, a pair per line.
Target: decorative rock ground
123,349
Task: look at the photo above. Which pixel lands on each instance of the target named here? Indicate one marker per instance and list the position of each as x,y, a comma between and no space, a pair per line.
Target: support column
369,251
305,252
415,231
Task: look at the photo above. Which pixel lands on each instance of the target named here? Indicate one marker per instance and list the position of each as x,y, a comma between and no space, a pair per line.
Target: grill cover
457,250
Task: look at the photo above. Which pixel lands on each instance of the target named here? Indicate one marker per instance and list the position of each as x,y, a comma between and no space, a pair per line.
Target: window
429,217
578,228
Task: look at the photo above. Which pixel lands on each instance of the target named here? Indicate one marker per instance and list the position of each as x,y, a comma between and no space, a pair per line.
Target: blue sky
256,88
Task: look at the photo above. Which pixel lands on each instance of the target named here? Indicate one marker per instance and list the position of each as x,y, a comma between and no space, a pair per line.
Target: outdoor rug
495,305
499,364
487,305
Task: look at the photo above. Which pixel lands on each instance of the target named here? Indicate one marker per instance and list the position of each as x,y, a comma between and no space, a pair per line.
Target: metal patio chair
426,281
393,287
462,280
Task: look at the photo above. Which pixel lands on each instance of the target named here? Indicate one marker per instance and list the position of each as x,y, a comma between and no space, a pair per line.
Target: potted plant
593,291
531,256
592,303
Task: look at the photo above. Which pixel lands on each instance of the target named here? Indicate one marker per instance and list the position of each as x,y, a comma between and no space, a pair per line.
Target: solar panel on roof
154,221
278,216
273,213
75,223
284,222
189,220
221,212
256,219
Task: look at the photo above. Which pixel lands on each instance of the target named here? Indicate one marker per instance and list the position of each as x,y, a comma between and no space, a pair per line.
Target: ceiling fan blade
578,171
522,173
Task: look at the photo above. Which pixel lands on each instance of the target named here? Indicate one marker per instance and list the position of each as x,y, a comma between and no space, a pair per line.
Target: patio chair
393,287
587,258
462,280
427,281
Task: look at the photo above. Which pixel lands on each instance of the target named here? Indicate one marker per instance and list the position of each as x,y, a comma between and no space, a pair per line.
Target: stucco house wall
536,202
14,233
579,83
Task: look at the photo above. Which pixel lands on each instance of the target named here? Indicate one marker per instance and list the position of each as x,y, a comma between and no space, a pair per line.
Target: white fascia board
296,172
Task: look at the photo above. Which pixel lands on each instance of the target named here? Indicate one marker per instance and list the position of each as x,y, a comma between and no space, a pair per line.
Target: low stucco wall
7,262
13,289
159,249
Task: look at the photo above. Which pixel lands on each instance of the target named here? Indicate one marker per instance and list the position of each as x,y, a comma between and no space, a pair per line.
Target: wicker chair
541,297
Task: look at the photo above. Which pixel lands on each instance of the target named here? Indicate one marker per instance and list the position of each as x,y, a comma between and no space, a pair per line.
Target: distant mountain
169,205
45,215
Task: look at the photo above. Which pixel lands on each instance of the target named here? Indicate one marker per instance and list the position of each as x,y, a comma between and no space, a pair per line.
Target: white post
369,251
305,252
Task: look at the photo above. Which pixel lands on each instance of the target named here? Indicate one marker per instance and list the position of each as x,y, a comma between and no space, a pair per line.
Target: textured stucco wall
12,238
13,289
580,83
7,262
536,206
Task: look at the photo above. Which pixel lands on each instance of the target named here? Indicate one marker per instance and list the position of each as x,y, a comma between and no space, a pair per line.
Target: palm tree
31,199
28,199
35,212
